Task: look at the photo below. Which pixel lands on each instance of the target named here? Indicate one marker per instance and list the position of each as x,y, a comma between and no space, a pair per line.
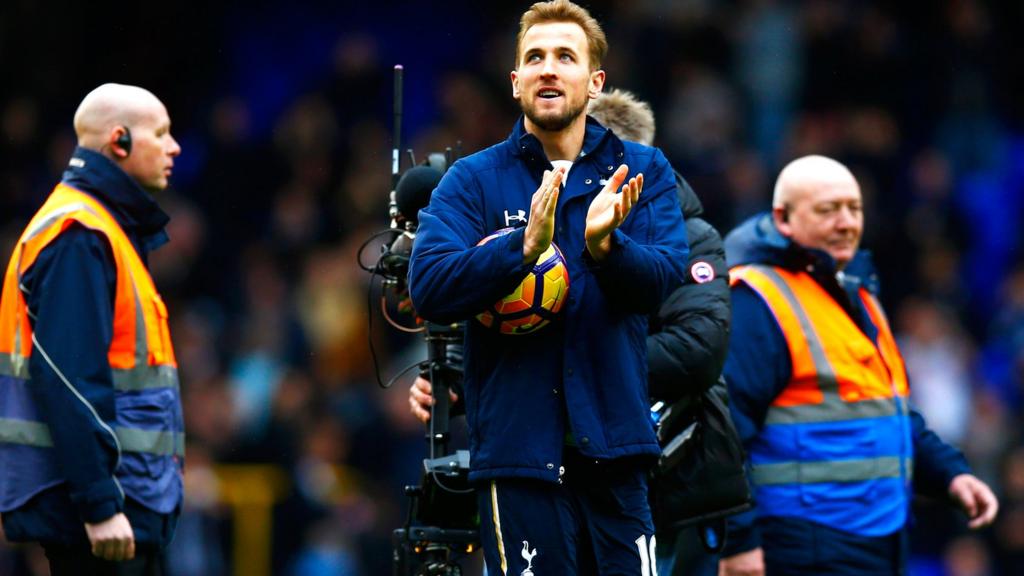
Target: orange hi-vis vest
836,444
148,428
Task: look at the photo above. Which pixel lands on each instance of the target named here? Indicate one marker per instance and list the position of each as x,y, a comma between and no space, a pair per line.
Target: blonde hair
629,118
565,11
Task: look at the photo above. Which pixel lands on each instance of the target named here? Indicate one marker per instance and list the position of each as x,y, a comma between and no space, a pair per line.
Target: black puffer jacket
689,334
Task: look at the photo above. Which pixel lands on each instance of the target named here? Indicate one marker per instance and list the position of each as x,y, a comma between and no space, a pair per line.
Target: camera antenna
396,145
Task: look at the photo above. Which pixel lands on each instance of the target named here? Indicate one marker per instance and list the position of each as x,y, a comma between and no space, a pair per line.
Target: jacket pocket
145,428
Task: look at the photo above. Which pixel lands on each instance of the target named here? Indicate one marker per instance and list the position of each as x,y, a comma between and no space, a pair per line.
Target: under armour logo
528,556
511,218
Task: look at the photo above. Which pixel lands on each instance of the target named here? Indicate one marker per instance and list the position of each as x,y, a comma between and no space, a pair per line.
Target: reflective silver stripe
141,346
828,471
54,216
13,431
14,365
133,379
146,377
16,352
159,442
834,411
832,408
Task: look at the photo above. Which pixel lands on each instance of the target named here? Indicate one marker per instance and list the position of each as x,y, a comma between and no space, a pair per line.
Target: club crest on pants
527,555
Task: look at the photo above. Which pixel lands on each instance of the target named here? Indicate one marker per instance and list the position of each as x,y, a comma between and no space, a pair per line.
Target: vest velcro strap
14,365
158,442
832,409
14,431
830,471
146,377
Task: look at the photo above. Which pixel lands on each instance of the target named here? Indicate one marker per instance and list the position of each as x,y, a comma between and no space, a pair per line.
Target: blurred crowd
284,116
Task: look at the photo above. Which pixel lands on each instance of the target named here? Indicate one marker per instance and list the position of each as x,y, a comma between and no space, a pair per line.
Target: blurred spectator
937,356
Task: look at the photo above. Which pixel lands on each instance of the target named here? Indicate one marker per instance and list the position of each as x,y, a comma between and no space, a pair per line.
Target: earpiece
125,141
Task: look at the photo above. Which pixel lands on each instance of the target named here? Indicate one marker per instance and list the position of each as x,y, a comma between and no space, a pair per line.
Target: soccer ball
537,299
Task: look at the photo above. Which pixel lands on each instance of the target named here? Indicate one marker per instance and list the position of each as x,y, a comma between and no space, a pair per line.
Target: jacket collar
134,208
599,144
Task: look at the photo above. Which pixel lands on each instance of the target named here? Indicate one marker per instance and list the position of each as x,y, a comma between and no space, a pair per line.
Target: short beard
553,123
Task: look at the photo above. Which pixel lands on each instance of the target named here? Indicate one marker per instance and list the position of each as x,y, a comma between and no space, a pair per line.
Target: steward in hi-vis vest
91,428
819,395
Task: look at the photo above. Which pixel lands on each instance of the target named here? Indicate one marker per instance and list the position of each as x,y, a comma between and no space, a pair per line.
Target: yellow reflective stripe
497,526
145,377
14,431
828,471
159,442
14,365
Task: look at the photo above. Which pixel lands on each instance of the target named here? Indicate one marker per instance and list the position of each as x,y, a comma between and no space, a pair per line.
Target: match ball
536,301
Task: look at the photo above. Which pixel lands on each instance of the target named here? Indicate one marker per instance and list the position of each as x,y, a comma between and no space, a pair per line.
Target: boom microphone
413,191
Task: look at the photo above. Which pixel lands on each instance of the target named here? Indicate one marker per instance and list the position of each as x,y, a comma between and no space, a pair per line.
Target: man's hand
421,399
609,209
749,563
112,539
540,228
975,498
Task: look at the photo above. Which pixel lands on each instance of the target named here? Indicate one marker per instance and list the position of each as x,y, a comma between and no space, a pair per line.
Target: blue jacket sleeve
935,462
70,292
450,277
655,265
757,369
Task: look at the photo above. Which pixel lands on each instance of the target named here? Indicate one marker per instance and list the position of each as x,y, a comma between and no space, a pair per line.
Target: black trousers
78,561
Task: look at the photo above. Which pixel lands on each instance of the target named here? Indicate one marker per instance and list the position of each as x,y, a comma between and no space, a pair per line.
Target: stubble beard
555,123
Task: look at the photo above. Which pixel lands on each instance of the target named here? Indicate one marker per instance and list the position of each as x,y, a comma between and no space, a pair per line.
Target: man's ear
780,215
120,141
596,83
515,84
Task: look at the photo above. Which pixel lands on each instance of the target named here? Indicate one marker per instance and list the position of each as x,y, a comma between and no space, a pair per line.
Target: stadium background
296,459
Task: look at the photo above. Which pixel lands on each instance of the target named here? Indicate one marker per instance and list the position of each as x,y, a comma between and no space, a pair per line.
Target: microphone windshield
413,190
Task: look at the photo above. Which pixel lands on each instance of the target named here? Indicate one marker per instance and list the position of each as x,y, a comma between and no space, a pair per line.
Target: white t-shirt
567,164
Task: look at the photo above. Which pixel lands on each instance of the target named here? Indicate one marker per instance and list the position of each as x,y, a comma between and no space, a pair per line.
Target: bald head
817,204
108,107
807,174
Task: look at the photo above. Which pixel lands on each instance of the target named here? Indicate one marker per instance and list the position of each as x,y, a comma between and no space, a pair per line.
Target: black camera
442,525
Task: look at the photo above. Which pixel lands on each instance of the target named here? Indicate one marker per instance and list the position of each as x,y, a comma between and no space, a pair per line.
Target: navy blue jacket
758,365
71,289
586,373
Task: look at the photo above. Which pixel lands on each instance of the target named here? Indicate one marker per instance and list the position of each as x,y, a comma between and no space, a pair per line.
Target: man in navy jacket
559,434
